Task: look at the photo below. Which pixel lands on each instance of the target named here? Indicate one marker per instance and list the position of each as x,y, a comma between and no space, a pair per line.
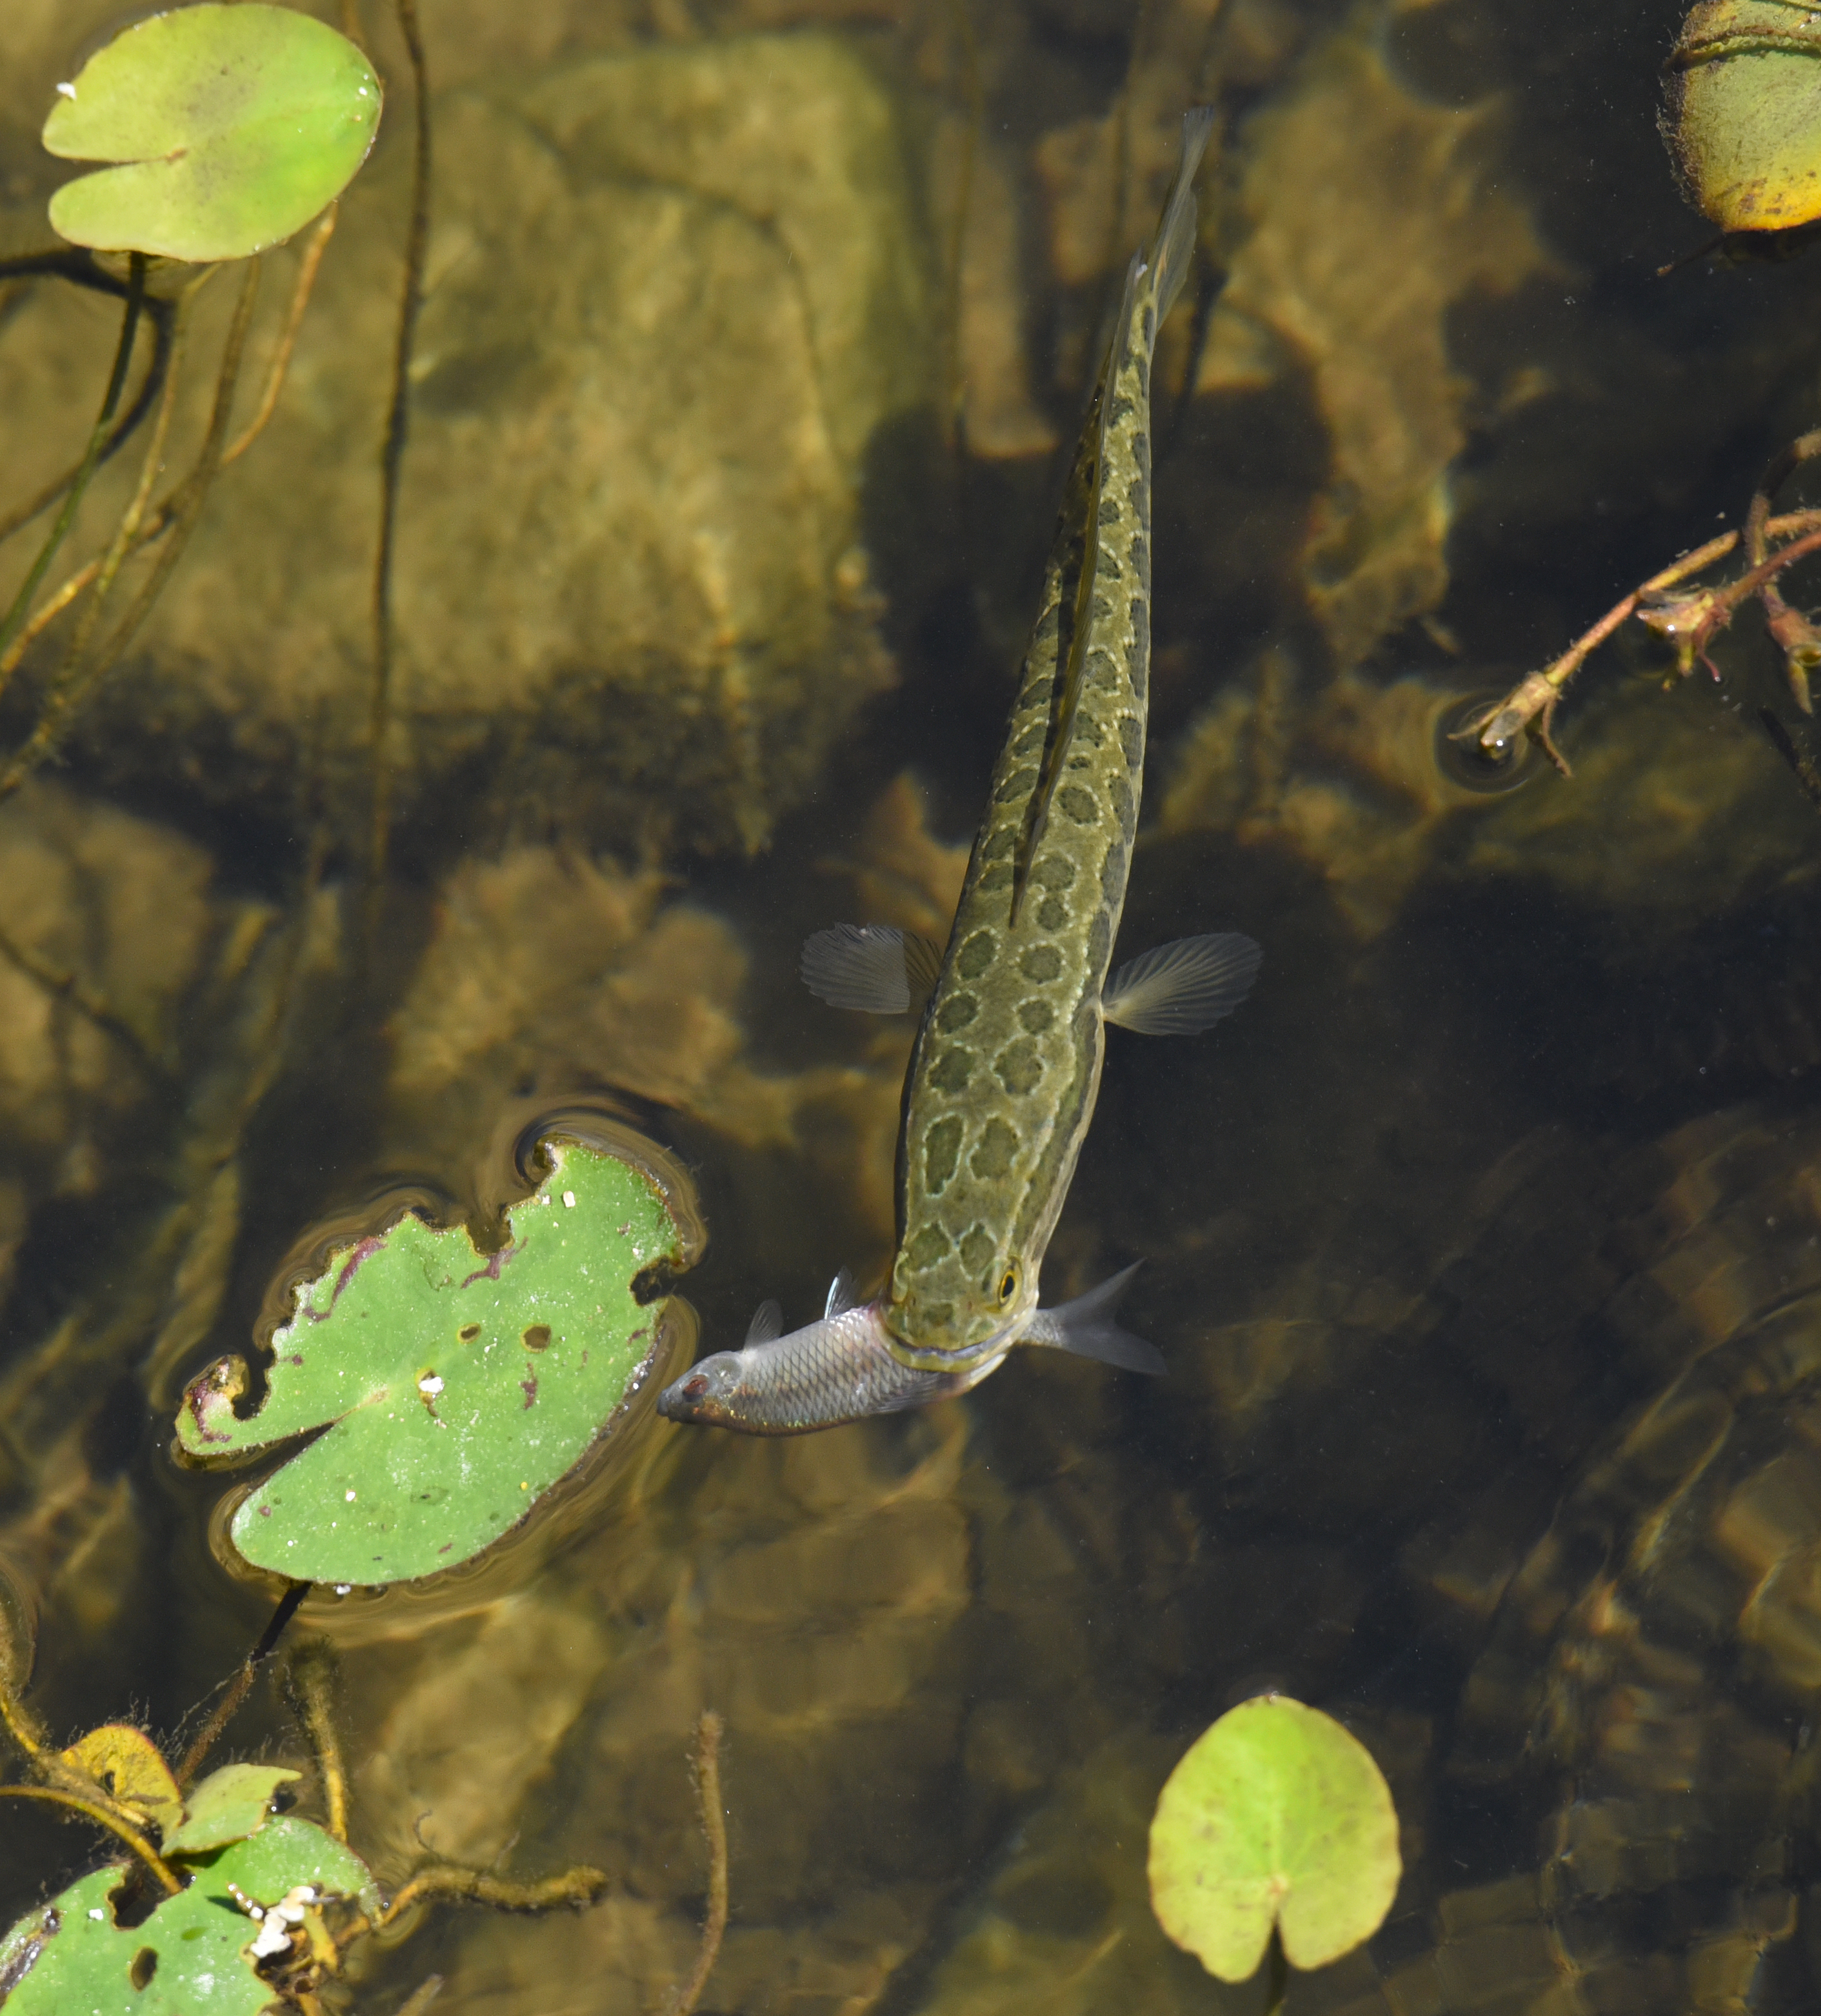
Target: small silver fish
1005,1069
842,1369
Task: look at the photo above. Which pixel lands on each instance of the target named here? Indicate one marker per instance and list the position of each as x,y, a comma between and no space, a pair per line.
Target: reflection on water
1484,1244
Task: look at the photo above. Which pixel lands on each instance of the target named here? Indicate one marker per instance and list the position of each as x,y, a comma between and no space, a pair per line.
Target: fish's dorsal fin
875,968
842,1296
1085,1327
1182,988
768,1322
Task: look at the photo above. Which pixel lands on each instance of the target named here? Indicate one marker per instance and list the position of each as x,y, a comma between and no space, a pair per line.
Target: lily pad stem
581,1885
307,1681
707,1774
1276,1975
97,440
392,452
67,696
131,1835
238,1688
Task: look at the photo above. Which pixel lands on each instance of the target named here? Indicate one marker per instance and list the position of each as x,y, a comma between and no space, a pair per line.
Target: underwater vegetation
572,541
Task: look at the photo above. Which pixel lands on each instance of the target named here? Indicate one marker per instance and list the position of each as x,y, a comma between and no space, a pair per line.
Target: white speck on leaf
66,90
569,1199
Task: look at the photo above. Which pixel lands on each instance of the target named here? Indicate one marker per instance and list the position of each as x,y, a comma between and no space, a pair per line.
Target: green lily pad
1744,119
228,1805
236,124
189,1957
461,1386
1276,1816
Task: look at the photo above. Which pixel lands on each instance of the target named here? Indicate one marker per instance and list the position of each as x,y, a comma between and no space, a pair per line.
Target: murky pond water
1483,1243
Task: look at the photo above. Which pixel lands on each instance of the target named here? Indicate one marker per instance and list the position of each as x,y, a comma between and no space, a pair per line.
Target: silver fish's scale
1006,1067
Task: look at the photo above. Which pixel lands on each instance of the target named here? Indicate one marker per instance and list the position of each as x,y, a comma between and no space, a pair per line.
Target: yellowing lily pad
1744,118
126,1763
228,1805
235,125
456,1386
1276,1816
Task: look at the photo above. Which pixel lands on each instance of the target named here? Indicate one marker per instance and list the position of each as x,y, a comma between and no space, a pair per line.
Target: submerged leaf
236,124
228,1805
460,1385
125,1762
1744,118
189,1957
1276,1816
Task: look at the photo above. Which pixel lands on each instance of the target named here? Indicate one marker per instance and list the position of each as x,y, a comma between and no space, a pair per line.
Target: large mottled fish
1006,1066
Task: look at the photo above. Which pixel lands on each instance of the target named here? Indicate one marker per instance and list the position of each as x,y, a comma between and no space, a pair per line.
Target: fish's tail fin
1174,243
1085,1327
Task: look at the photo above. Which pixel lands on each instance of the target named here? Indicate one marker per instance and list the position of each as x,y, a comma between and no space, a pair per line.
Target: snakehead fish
1006,1064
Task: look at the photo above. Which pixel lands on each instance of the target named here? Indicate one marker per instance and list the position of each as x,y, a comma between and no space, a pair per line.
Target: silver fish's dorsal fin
876,968
768,1322
842,1296
1182,988
1085,1327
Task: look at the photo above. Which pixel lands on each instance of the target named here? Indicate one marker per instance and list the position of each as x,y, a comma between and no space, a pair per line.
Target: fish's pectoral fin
876,968
1085,1327
768,1322
842,1295
1182,988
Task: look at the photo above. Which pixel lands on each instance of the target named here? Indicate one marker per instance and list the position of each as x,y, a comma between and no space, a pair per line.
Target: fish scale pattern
1007,1064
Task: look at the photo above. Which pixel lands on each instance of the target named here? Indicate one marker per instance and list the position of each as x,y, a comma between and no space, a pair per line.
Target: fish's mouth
962,1358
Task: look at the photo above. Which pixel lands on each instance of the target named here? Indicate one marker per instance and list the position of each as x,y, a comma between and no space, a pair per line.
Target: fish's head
710,1391
953,1313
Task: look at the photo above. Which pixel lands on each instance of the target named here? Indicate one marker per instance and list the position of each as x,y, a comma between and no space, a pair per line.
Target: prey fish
1006,1067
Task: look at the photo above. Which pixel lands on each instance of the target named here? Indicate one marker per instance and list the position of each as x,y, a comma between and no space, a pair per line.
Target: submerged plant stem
707,1772
15,617
310,1678
238,1688
162,518
138,1842
68,694
392,454
580,1885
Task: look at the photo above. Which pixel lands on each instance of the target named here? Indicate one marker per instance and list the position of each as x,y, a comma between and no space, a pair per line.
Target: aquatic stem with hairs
707,1774
241,1685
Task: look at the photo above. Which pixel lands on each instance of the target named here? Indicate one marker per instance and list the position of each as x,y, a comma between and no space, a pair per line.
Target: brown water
1484,1243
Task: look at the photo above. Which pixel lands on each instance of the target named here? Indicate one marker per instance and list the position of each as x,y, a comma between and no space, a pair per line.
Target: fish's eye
1008,1285
694,1388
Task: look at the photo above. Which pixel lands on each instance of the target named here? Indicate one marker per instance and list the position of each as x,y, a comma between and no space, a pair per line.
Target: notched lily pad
457,1387
229,1805
1744,113
1276,1816
234,126
190,1957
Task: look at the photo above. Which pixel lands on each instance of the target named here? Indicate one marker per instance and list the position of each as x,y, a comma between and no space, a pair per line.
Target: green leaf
1276,1815
228,1805
188,1958
238,125
461,1386
1745,114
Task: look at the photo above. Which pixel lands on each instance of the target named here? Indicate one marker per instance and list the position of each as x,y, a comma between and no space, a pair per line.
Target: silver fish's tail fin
1086,1327
1174,243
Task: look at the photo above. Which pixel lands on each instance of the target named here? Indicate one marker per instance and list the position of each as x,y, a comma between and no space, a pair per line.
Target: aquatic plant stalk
241,1685
67,696
392,452
707,1772
102,1817
162,517
97,439
580,1885
308,1679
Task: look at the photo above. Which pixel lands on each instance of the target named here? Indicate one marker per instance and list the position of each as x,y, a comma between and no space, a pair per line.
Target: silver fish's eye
694,1388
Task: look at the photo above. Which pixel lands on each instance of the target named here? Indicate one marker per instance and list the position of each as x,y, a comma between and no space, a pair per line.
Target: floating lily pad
189,1957
1745,114
125,1762
236,124
457,1387
1276,1816
229,1805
